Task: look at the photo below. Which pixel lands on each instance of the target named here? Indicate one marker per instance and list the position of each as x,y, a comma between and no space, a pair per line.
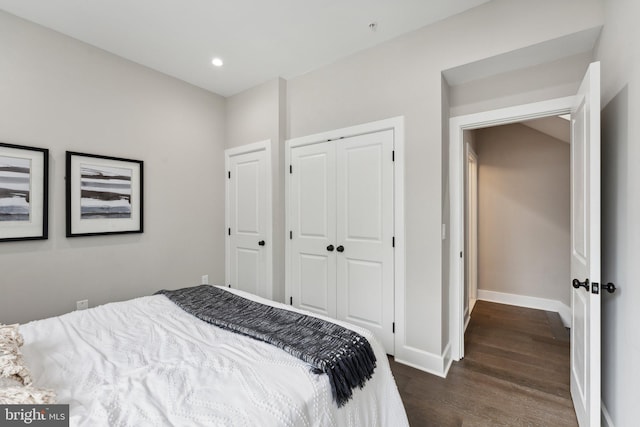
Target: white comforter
146,362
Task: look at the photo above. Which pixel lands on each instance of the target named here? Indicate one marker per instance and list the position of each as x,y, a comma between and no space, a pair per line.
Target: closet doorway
248,201
342,260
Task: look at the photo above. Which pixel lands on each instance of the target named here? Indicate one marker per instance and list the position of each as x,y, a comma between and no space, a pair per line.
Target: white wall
523,213
446,224
258,114
403,78
619,53
61,94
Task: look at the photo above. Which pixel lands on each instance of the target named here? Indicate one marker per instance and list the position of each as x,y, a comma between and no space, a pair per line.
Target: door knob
340,248
609,287
261,243
577,284
330,248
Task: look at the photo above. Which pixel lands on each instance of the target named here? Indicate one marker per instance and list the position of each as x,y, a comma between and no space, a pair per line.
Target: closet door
247,193
365,276
312,212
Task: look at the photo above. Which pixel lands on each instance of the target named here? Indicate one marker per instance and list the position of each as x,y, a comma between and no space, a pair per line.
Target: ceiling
557,127
258,40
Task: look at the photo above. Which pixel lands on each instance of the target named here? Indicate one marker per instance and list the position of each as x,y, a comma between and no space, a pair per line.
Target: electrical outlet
82,305
205,279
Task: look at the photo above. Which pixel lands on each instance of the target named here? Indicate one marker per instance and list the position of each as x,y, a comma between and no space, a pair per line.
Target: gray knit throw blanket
345,356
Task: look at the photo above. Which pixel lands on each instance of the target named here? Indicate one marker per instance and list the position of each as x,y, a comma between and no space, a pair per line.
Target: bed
147,362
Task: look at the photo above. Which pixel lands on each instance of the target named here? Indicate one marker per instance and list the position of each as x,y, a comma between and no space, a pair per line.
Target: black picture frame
104,195
24,193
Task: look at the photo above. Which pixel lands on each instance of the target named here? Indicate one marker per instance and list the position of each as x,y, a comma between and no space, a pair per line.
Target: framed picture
24,192
104,195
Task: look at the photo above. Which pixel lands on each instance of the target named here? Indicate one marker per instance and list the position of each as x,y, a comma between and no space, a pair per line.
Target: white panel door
585,250
364,245
312,215
247,198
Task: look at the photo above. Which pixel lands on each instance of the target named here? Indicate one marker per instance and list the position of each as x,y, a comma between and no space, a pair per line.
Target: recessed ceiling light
217,62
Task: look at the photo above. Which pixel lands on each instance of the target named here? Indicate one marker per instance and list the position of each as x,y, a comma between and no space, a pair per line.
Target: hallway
515,373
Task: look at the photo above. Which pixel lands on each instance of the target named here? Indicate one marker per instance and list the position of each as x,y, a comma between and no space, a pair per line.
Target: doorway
584,108
555,107
522,216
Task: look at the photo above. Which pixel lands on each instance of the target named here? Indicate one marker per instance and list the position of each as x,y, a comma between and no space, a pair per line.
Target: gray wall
619,53
532,84
523,213
403,78
253,115
58,93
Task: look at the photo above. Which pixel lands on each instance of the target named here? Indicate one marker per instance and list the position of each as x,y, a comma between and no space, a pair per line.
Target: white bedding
146,362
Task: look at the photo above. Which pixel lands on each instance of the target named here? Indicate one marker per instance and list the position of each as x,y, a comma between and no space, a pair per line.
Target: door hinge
393,155
460,254
290,235
229,174
290,168
393,327
393,241
290,300
229,231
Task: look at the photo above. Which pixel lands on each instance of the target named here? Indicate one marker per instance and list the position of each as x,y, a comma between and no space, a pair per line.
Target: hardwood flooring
515,373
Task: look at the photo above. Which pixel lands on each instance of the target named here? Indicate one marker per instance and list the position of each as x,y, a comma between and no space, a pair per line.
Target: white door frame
397,125
457,163
236,151
472,228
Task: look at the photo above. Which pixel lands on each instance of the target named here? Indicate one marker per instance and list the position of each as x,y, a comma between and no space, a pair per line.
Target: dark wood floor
515,373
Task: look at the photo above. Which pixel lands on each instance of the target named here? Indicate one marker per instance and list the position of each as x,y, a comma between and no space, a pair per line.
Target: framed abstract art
24,192
104,195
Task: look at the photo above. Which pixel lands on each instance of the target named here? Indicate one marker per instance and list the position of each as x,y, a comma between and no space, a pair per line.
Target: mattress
146,362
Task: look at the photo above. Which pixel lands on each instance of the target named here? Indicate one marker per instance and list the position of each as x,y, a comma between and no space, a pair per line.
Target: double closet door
341,238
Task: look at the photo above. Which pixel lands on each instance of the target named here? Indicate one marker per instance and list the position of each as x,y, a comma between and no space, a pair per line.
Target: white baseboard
606,418
425,361
530,302
447,360
565,314
467,314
